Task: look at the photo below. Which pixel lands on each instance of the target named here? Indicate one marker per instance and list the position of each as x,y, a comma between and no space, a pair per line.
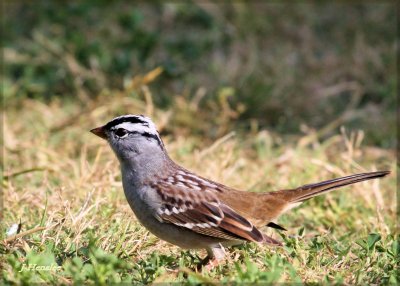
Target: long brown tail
306,192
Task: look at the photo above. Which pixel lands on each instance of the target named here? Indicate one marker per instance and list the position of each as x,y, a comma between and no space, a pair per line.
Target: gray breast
145,201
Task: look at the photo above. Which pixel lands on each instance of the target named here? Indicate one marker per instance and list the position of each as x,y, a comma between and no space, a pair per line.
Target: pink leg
216,254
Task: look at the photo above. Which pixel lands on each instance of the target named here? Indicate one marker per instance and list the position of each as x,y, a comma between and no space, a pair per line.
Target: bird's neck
143,169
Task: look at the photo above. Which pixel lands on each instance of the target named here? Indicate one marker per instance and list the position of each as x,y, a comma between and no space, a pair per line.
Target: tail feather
269,240
306,192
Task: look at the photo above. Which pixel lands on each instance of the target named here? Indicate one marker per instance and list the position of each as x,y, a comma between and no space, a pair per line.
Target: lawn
63,184
296,115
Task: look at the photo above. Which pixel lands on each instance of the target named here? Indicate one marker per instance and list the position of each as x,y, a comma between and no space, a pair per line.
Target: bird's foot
212,263
216,255
209,263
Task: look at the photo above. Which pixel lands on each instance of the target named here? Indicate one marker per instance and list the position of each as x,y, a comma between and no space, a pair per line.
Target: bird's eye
121,132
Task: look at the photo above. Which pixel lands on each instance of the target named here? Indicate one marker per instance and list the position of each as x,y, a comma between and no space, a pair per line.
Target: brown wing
194,205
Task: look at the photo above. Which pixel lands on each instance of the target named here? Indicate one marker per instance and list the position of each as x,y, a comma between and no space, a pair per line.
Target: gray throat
145,167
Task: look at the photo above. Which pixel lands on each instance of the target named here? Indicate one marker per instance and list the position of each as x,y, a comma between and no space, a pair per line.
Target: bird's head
130,136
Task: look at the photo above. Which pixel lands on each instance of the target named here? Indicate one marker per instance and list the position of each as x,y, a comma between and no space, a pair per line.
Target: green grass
68,181
258,96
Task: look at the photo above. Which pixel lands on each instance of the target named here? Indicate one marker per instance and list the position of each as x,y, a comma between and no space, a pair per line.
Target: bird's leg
216,254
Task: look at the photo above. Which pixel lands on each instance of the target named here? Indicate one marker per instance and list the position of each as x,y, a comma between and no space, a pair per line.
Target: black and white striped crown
135,124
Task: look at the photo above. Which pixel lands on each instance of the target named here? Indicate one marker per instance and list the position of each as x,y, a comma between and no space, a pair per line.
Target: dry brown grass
60,177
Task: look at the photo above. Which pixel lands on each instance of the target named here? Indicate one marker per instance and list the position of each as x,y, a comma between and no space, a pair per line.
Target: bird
190,211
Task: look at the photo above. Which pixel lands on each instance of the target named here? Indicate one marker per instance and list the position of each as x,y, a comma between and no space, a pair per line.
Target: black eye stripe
149,135
144,134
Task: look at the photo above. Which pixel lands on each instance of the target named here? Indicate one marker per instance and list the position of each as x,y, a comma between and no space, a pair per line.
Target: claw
216,255
213,263
209,263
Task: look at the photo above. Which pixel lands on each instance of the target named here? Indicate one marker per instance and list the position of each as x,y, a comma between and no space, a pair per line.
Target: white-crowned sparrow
188,210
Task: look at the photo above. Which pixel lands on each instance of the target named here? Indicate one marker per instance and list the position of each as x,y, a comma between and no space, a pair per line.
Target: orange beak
99,131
